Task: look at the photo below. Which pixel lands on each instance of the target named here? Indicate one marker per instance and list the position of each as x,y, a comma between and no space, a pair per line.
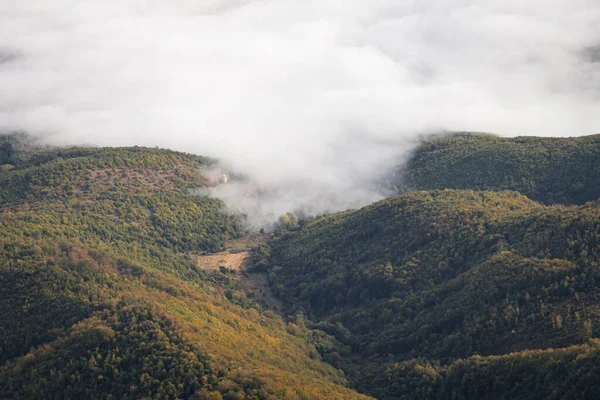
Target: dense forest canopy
550,170
460,293
445,275
99,297
481,282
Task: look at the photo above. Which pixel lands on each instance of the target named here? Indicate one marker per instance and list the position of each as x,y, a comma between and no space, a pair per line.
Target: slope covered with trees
549,170
439,276
100,299
434,294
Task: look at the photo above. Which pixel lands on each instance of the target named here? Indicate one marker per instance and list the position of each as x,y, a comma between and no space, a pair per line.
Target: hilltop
100,296
481,282
549,170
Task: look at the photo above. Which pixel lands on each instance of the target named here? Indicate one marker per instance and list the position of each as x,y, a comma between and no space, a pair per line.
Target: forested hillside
100,299
549,170
416,282
457,293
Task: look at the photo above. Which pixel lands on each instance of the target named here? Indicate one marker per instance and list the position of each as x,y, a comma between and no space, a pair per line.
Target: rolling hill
100,297
430,288
549,170
481,282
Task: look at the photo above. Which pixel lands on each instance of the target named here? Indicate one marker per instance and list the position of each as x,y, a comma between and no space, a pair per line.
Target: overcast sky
288,89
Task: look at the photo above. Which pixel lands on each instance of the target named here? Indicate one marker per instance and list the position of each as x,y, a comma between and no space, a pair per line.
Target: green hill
549,170
439,276
457,293
100,299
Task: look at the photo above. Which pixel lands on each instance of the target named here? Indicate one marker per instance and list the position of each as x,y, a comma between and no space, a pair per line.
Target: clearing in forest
237,255
237,258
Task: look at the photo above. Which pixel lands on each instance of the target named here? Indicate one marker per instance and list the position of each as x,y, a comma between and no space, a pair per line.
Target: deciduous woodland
479,280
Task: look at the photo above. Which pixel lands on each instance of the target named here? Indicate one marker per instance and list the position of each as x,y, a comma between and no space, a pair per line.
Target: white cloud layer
320,93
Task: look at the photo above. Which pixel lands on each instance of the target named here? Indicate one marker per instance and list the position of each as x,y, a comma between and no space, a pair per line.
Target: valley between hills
477,279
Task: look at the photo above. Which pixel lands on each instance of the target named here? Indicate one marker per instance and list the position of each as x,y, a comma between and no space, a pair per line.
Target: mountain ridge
435,293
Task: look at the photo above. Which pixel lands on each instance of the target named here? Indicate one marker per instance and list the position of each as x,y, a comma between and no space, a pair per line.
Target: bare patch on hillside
236,259
237,256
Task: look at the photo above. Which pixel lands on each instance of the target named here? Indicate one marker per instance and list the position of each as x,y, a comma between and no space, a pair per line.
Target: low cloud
314,97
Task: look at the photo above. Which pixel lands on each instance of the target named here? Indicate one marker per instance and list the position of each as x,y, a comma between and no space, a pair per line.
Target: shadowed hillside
549,170
443,275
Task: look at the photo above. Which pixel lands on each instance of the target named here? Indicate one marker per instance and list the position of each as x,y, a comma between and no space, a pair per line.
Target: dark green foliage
443,275
438,294
570,373
550,170
260,262
125,354
12,147
7,153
